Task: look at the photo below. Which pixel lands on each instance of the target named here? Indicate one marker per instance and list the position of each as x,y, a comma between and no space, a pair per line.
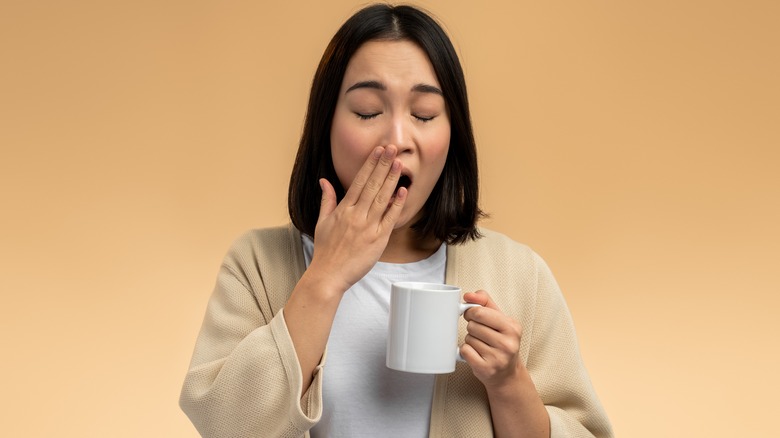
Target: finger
382,199
356,188
471,356
480,297
493,319
506,341
378,177
392,213
482,332
482,349
328,203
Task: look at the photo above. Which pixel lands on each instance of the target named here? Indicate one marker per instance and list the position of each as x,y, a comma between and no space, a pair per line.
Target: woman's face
390,96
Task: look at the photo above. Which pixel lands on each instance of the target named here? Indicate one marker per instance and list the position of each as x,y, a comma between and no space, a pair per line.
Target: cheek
433,157
439,147
349,151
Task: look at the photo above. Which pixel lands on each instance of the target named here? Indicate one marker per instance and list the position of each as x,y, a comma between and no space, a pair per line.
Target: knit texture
244,379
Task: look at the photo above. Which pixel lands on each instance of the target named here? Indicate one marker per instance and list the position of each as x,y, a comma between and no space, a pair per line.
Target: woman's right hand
351,236
348,240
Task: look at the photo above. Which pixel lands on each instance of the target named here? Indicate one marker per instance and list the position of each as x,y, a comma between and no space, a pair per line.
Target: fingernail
389,151
396,165
378,152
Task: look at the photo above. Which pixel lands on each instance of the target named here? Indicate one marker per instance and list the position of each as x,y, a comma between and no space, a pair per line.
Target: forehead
390,62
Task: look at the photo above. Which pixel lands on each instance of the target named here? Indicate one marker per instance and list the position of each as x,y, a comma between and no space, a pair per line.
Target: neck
406,246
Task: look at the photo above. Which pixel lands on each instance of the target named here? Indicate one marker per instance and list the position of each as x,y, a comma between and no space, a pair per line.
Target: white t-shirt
361,396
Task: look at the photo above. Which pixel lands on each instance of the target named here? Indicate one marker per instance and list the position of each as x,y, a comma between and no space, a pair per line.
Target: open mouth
403,181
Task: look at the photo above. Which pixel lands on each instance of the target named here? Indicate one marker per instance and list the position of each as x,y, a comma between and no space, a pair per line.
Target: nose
399,132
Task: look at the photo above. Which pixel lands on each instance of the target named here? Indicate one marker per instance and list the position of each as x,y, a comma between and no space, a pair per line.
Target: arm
254,377
492,349
349,239
244,379
556,366
551,395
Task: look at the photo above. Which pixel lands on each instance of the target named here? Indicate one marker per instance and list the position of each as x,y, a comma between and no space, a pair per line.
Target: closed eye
362,116
423,119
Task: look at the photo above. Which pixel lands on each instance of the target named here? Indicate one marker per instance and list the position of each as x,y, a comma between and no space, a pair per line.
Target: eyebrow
376,85
425,88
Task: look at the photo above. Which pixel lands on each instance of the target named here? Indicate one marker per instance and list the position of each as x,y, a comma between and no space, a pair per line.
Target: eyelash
366,116
371,116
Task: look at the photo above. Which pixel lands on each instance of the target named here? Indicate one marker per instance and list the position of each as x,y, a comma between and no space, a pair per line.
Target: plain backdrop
633,144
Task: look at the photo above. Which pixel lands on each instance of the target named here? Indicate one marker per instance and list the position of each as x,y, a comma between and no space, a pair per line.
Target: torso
361,396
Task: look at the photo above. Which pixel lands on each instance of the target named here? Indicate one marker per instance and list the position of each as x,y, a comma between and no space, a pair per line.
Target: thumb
328,198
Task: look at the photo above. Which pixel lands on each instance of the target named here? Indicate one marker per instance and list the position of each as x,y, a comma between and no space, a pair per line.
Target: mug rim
425,286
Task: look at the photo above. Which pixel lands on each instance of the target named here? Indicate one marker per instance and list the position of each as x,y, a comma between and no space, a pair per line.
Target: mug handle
463,308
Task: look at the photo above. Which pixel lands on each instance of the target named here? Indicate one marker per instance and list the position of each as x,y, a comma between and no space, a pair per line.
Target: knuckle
373,184
357,183
387,221
508,345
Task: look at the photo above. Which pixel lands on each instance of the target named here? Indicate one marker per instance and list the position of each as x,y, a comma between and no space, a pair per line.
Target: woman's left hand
492,345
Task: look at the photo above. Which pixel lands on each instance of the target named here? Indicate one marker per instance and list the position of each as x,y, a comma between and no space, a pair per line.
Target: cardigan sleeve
557,369
244,378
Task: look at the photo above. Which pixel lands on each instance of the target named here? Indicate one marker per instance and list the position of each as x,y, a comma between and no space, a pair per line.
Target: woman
384,189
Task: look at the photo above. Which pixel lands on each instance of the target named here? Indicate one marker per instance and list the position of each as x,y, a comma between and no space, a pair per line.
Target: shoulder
496,246
263,245
269,262
498,260
269,235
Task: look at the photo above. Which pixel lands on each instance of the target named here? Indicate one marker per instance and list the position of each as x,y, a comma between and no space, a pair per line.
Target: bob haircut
451,212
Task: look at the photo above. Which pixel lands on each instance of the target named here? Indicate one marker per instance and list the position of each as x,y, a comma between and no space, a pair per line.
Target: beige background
634,144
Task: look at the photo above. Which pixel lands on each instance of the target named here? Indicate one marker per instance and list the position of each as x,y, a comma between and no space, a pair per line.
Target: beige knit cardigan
244,379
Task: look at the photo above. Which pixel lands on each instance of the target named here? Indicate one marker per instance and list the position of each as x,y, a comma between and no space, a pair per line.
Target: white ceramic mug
423,335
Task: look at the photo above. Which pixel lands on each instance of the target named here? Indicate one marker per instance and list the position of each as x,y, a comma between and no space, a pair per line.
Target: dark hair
451,211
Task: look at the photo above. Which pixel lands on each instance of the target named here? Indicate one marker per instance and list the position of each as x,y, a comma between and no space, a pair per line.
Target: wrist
516,386
323,284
